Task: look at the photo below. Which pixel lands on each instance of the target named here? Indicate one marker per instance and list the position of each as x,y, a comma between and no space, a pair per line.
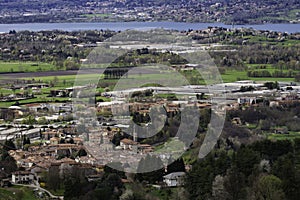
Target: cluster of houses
58,144
40,157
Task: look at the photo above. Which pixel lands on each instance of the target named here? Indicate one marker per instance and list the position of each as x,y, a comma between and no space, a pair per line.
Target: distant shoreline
121,26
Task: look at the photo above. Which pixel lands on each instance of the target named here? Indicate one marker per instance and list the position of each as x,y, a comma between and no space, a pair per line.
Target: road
41,189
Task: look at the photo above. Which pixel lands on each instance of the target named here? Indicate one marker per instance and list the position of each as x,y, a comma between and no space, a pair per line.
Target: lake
121,26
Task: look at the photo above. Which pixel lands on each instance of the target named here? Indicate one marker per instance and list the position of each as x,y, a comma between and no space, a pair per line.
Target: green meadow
16,66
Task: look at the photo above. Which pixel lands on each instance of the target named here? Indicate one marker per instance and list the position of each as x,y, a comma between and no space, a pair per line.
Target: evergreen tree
9,145
115,168
175,166
150,169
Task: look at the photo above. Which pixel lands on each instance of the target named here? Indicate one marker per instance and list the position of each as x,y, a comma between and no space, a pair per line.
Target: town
239,12
73,126
45,135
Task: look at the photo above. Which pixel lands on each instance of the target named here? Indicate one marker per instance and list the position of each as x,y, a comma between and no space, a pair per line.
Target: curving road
42,189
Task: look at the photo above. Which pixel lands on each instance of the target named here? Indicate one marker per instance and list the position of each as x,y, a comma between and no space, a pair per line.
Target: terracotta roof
54,139
128,141
21,173
77,139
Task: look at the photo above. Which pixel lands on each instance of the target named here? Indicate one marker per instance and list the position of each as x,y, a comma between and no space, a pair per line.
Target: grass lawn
172,145
290,136
59,192
251,126
5,91
16,193
190,156
234,75
18,66
164,193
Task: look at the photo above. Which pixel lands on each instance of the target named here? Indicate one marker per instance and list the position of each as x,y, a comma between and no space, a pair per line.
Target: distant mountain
228,11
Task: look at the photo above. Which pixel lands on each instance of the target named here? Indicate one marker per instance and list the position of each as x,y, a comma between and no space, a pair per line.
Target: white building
174,179
22,177
128,144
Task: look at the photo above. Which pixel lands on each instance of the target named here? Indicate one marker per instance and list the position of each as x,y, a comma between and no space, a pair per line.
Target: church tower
135,137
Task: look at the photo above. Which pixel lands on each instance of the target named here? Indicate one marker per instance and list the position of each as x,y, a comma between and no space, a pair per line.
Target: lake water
121,26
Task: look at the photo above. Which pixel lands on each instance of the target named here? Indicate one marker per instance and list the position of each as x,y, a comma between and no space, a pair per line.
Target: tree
29,120
218,190
175,166
109,187
72,184
285,169
26,140
101,139
115,168
9,145
271,85
71,65
270,188
81,153
42,121
246,160
198,182
234,184
7,163
117,138
53,180
150,169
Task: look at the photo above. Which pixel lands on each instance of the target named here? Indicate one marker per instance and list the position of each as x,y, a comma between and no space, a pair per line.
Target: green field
229,76
234,75
62,82
16,66
95,15
43,97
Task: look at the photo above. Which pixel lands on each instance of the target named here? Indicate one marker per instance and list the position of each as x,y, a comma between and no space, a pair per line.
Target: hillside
227,11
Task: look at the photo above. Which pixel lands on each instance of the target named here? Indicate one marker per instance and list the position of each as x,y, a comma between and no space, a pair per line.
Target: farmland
19,66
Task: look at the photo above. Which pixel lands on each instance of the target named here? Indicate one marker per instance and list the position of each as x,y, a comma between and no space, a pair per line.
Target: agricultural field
64,81
19,66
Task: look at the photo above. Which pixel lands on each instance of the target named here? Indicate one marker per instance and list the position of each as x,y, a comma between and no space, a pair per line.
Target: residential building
22,177
174,179
127,144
